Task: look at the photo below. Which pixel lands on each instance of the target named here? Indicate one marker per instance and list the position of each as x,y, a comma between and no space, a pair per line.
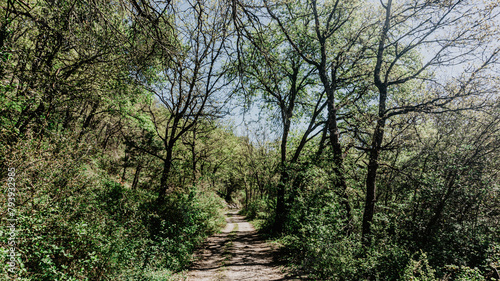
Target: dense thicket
394,177
381,162
79,124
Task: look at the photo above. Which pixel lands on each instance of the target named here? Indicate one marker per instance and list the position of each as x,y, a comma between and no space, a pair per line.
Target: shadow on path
238,253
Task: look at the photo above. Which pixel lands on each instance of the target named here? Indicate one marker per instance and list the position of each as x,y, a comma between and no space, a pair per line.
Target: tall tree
326,36
65,63
272,69
189,83
408,27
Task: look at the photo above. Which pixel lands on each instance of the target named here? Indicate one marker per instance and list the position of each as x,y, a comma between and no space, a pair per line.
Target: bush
256,209
75,222
181,224
419,270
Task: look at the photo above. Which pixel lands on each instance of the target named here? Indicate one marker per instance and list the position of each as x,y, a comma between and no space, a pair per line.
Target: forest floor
238,253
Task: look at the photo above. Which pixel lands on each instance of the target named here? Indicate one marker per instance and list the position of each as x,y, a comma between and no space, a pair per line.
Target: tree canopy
119,157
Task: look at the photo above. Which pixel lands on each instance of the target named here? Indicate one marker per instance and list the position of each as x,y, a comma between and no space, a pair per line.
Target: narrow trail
238,253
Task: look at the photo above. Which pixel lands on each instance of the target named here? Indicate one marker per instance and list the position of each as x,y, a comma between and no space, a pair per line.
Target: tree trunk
338,159
167,165
378,134
371,180
125,166
280,202
442,203
321,147
87,121
280,198
376,145
136,176
193,155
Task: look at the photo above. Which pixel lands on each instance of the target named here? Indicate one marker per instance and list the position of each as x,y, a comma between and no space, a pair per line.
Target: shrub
419,270
75,222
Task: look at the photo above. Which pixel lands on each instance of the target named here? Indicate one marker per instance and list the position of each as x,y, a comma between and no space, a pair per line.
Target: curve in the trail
238,253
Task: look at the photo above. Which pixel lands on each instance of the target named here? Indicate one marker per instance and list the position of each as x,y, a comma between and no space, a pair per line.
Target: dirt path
238,253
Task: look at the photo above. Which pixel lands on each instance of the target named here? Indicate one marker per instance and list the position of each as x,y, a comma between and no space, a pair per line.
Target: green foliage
419,270
78,223
453,242
317,242
464,273
257,209
92,148
64,231
181,225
